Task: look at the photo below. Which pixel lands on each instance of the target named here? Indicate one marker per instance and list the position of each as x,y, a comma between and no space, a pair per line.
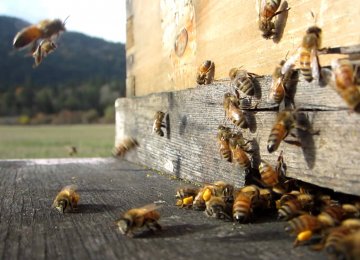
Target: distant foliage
83,74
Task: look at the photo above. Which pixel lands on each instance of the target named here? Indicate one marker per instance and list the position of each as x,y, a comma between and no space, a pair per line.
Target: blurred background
68,100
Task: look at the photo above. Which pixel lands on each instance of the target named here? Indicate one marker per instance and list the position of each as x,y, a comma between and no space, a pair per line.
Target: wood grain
189,149
30,229
227,33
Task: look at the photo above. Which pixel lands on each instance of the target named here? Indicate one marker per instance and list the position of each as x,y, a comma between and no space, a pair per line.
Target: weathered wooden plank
108,187
227,33
189,149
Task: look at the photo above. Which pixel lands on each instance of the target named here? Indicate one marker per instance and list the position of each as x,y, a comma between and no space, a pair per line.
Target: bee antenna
66,19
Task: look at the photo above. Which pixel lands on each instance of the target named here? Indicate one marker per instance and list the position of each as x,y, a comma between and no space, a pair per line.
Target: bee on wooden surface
331,215
223,136
45,47
244,203
344,83
294,207
307,55
345,246
205,73
285,122
303,227
280,82
124,146
267,11
225,191
216,208
72,150
242,80
273,178
45,29
238,153
203,195
66,198
136,218
233,111
185,196
158,123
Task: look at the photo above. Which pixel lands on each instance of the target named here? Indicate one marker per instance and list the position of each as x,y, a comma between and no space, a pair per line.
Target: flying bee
216,208
136,218
344,83
267,11
205,73
72,150
223,136
303,227
66,198
285,122
158,123
45,47
279,84
233,112
45,29
296,206
307,55
128,143
242,80
331,215
238,153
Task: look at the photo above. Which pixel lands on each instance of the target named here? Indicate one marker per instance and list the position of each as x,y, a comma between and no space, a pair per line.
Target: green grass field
19,142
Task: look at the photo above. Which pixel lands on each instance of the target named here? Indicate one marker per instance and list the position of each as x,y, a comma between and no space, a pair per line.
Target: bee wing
148,208
26,36
315,68
290,63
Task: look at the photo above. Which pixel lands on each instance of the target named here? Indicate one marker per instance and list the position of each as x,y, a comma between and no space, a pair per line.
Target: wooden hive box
161,75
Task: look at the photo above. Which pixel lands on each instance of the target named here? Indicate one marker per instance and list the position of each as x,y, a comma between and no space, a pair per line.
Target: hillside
79,67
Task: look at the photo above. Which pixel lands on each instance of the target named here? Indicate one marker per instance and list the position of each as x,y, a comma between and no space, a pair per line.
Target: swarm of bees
45,31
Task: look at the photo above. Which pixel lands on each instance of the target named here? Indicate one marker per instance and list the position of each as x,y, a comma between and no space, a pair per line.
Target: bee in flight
267,11
45,47
158,123
205,73
128,143
307,55
45,29
66,198
136,218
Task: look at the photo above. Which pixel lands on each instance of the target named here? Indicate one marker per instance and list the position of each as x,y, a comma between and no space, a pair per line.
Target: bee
67,197
285,122
158,123
344,245
45,29
273,177
242,80
279,83
216,208
351,211
223,136
244,202
267,11
307,55
225,191
203,195
331,215
344,82
205,73
303,227
72,150
185,196
233,112
136,218
238,153
265,199
124,146
43,49
296,206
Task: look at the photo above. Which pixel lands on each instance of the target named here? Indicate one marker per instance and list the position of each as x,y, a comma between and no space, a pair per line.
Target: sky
99,18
